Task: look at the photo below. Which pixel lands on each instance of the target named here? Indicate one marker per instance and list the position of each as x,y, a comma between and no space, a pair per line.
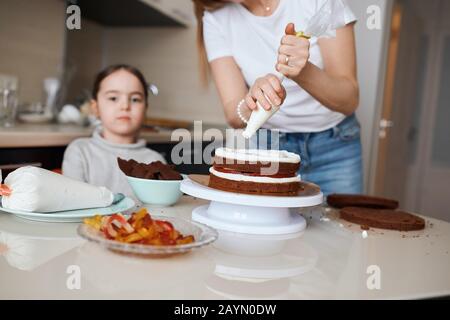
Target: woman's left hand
293,53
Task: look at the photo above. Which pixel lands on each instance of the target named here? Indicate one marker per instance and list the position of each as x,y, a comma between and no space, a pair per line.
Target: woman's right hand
265,87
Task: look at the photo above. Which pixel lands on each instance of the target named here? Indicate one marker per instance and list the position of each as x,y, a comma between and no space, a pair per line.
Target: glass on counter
8,102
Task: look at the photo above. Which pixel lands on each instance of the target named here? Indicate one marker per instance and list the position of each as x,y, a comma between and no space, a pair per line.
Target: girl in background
120,102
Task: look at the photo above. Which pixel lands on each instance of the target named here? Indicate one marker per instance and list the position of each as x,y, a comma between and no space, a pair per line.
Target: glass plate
203,235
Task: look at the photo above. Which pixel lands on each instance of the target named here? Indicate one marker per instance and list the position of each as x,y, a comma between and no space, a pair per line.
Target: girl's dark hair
116,67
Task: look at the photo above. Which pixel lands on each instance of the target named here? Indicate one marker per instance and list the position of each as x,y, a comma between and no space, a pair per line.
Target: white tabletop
330,260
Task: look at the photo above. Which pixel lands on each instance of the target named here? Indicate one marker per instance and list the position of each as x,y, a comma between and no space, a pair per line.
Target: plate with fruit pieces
144,234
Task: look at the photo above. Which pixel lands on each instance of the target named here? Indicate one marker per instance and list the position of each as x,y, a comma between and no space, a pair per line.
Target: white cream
258,179
255,155
38,190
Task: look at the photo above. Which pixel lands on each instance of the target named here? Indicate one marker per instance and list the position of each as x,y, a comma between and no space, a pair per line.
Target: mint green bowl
156,192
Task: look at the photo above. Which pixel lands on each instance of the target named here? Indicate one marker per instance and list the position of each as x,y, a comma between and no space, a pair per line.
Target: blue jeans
331,159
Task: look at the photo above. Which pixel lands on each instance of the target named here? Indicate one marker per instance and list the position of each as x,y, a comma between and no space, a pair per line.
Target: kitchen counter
49,135
330,259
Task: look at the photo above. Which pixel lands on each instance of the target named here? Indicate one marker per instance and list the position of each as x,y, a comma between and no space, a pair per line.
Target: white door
415,168
434,193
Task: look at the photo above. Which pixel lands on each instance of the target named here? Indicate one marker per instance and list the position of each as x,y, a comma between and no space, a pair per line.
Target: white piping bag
34,189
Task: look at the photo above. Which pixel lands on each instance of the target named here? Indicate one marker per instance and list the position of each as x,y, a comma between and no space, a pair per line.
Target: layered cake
262,172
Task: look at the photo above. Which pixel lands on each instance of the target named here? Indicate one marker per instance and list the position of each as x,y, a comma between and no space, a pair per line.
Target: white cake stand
251,214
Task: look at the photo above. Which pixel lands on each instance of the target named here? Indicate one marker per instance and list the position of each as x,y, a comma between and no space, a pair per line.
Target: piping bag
34,189
323,23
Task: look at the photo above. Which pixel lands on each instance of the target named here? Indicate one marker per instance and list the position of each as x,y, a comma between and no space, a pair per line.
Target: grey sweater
94,160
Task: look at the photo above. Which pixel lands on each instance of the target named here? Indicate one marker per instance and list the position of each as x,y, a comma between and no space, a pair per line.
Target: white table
329,260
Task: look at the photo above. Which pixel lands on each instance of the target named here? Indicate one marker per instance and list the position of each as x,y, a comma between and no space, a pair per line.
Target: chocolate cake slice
153,171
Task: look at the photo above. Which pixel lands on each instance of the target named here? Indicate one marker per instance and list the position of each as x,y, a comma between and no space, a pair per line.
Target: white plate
72,215
35,117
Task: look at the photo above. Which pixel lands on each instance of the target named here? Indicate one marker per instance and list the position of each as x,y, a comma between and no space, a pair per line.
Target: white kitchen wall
84,55
168,58
372,48
31,43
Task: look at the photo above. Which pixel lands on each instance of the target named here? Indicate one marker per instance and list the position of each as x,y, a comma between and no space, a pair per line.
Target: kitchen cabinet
44,157
137,13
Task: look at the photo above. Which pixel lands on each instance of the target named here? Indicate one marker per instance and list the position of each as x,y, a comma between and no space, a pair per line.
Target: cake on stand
251,214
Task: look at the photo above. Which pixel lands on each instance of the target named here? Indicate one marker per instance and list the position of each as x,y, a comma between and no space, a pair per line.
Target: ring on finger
286,60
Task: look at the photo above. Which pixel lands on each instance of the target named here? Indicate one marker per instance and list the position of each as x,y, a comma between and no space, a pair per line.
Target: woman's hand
267,91
293,53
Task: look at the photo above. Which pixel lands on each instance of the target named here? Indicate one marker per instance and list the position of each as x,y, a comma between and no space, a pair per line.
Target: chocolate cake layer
284,168
383,218
247,187
352,200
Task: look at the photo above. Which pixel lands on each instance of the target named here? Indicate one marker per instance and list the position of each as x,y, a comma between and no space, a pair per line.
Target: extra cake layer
383,219
353,200
282,168
250,187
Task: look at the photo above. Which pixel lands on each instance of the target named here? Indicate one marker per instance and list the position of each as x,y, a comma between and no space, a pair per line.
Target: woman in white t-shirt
245,41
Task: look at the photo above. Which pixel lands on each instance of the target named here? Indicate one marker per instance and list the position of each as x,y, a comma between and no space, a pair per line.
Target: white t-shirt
253,42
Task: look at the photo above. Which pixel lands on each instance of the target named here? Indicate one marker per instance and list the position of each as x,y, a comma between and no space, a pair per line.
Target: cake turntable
251,214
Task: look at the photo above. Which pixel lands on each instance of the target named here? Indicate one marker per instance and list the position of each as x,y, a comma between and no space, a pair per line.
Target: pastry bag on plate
34,189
